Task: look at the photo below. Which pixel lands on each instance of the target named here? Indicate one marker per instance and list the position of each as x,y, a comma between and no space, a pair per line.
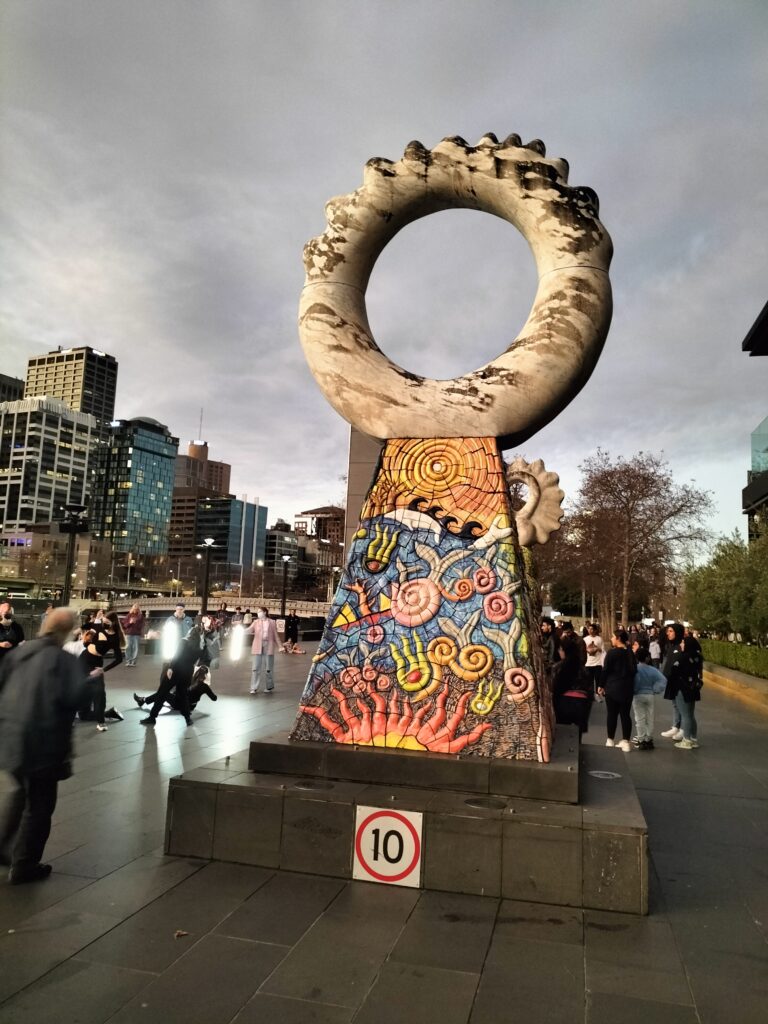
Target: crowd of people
638,664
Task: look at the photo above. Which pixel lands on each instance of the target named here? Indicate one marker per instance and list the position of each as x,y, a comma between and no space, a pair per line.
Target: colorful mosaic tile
431,643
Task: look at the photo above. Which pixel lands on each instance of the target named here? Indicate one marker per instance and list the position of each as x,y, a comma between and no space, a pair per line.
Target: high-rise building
196,470
754,497
44,450
282,546
131,505
11,388
84,378
238,529
197,477
325,524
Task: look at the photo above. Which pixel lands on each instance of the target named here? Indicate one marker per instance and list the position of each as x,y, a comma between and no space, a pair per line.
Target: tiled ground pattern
120,933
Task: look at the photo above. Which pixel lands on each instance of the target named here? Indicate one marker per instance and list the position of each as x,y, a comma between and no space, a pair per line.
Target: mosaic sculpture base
432,641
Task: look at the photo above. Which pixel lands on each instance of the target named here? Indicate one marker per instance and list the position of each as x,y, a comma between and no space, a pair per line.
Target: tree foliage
730,593
629,529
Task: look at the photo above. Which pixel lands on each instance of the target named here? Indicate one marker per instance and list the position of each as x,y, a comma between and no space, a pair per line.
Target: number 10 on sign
387,846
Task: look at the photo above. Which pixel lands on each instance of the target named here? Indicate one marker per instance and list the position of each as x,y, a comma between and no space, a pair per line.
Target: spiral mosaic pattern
427,646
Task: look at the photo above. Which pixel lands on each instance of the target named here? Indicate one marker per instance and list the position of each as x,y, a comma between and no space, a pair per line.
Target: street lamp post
208,543
74,522
260,564
286,560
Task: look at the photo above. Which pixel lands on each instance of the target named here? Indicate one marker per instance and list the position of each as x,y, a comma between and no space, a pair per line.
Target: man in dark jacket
11,633
41,687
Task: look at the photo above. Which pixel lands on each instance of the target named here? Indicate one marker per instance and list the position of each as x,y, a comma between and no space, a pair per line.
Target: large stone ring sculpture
515,394
432,640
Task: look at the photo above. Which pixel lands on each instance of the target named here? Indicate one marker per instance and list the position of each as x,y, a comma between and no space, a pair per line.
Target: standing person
211,640
548,640
41,687
263,651
11,633
133,627
572,689
654,647
648,681
178,676
618,687
175,628
595,656
681,670
292,628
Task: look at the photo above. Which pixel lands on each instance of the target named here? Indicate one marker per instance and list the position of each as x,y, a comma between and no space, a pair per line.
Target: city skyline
156,208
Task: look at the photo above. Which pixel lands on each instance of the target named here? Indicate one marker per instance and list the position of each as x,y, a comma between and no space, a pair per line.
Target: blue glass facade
238,528
134,486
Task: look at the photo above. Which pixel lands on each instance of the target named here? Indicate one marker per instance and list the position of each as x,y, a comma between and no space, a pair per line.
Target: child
648,681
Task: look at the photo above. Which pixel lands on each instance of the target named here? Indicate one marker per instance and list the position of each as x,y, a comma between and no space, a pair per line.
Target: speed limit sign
387,846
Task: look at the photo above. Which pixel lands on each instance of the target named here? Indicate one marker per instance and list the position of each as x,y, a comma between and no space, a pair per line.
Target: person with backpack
682,670
617,685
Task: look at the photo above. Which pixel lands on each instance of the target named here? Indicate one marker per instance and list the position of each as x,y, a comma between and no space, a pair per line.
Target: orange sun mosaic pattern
430,644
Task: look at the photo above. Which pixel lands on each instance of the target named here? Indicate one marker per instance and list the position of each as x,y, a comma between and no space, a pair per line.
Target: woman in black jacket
618,687
572,690
682,668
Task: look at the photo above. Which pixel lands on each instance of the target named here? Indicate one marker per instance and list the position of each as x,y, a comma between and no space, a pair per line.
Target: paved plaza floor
121,933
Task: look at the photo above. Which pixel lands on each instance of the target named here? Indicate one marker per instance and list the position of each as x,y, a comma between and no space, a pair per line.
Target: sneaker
113,715
669,733
678,734
147,721
101,727
637,742
695,744
624,745
253,692
646,745
610,743
140,701
20,876
685,745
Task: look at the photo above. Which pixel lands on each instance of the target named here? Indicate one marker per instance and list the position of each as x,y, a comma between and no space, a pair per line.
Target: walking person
618,687
263,649
133,627
178,676
41,687
648,681
681,670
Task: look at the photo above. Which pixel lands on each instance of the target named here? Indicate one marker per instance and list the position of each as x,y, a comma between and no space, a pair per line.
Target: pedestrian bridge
193,605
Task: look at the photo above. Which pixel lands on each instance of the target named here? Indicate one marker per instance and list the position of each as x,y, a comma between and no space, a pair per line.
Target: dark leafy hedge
752,660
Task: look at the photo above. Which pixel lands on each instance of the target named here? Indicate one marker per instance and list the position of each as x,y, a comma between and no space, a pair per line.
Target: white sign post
388,846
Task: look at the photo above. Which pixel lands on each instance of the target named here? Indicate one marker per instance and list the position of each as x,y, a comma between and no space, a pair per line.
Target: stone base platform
296,816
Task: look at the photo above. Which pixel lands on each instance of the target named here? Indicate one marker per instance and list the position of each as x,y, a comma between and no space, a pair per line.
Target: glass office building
133,487
44,455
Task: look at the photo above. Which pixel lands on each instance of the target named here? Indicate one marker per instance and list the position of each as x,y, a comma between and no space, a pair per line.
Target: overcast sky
164,162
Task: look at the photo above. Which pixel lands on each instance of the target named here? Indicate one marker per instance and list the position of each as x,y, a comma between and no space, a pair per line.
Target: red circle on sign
359,847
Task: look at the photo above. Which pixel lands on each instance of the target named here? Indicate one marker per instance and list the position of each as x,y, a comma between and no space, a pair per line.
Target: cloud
164,165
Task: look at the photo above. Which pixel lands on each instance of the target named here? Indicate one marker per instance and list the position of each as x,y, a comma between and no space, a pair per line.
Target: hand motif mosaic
428,643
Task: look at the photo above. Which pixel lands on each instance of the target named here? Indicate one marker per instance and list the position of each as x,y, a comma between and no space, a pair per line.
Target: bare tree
634,523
